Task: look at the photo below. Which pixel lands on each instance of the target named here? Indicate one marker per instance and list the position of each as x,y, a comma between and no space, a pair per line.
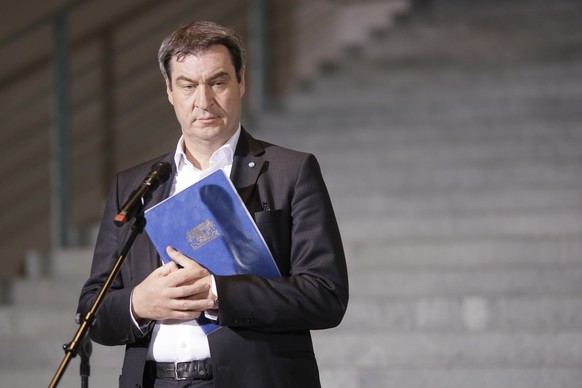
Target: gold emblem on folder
202,234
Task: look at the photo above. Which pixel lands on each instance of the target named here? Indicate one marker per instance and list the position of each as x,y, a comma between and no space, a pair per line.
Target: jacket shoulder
145,167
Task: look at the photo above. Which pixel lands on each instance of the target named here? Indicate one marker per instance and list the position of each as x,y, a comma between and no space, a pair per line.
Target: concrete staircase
464,256
452,148
40,319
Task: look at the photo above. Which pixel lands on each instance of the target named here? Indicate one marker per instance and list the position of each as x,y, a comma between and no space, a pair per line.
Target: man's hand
177,290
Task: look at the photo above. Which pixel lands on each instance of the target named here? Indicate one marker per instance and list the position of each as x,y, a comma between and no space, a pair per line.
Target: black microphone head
161,172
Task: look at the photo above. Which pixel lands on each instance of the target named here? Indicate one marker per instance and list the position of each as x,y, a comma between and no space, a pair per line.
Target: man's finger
195,291
193,305
181,259
165,269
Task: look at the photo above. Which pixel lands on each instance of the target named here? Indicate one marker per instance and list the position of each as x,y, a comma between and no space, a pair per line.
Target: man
264,338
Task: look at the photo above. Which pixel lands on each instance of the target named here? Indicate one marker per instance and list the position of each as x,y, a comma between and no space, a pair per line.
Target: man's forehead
198,74
214,50
207,59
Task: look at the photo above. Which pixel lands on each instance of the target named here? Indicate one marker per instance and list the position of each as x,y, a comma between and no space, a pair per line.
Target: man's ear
169,91
241,84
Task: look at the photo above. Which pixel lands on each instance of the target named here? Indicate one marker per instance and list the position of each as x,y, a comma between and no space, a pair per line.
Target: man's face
206,96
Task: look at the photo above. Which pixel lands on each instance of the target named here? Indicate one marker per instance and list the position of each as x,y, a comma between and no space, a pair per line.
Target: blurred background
449,133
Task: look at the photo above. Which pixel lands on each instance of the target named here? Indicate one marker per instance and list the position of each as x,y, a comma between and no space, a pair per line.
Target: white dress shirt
176,341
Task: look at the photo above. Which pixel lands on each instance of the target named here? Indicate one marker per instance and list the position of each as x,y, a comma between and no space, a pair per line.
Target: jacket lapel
246,165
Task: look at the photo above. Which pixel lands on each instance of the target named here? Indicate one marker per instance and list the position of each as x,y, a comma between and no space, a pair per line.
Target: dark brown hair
195,38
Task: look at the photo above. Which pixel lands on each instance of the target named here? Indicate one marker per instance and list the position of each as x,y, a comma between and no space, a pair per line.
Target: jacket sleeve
313,292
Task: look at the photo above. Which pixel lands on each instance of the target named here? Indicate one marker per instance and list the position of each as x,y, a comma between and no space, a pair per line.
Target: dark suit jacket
264,340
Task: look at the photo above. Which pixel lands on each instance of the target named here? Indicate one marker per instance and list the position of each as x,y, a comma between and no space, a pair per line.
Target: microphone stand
81,337
85,350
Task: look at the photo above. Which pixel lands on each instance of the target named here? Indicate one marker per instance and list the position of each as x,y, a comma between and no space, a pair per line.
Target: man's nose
204,97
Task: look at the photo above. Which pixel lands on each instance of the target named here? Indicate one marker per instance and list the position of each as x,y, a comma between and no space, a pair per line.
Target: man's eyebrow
220,74
214,77
184,78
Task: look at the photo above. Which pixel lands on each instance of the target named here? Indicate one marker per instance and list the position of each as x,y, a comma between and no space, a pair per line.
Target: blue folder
209,223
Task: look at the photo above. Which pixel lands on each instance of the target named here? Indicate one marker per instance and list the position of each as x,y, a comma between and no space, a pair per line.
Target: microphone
159,173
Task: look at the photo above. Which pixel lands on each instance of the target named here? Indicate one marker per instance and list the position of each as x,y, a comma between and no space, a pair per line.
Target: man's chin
209,133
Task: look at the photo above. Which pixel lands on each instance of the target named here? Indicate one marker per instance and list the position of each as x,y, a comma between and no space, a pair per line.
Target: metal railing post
60,136
258,58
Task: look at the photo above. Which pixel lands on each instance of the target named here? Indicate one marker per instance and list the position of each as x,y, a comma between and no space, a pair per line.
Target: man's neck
200,158
200,152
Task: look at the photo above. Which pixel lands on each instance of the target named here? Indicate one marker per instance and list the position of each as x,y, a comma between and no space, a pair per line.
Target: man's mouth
207,118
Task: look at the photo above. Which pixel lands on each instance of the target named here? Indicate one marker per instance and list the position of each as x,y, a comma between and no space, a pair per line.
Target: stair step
399,126
485,226
47,353
564,280
485,350
465,179
72,262
439,100
23,377
456,203
451,153
28,322
54,292
445,377
399,144
464,313
461,253
401,87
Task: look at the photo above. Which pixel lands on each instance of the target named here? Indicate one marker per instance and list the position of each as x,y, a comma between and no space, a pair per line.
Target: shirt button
251,164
